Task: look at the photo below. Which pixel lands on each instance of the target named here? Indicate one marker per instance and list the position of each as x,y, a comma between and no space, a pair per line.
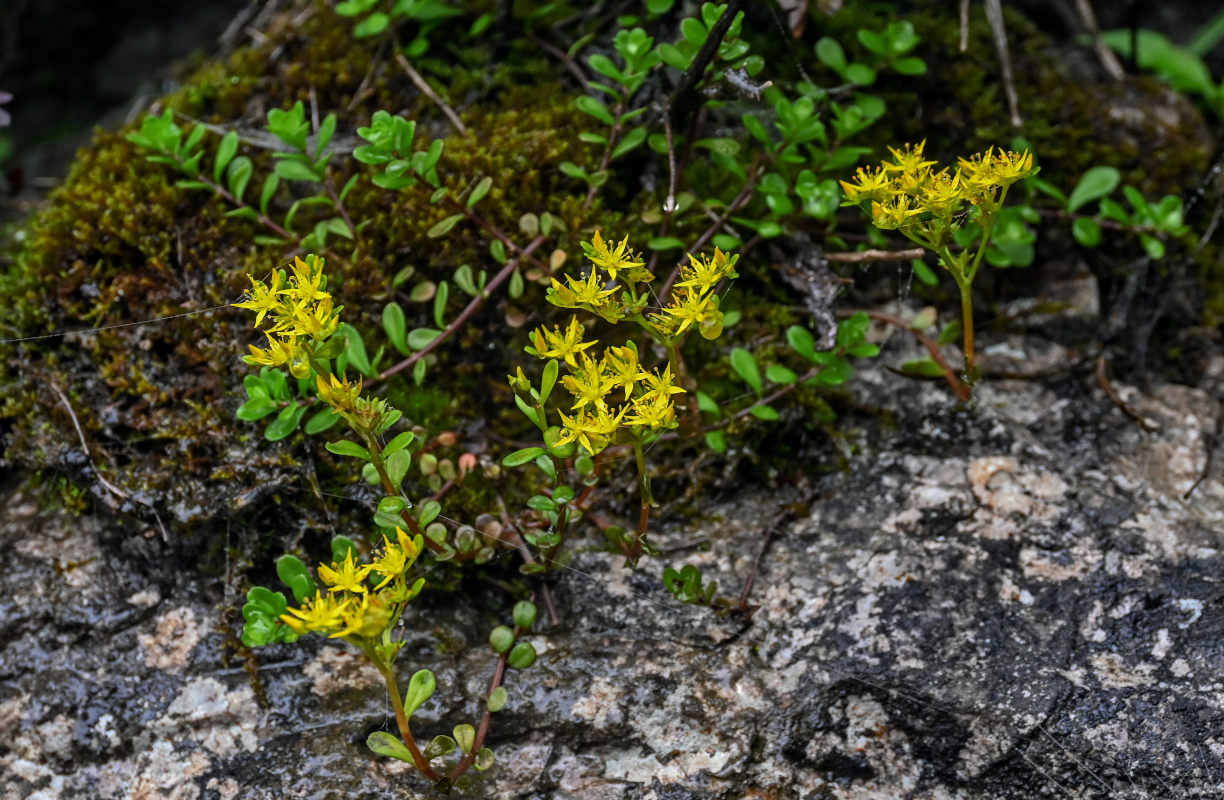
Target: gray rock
1014,601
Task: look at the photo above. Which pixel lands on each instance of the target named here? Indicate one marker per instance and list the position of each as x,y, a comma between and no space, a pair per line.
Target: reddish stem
466,314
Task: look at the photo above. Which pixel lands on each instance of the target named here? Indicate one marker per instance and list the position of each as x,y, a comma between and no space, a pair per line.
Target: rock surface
1018,600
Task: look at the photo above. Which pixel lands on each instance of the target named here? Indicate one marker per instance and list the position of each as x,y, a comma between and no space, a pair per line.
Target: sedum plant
614,398
931,207
362,600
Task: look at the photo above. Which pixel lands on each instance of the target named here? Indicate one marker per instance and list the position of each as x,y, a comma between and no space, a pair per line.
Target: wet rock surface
1018,600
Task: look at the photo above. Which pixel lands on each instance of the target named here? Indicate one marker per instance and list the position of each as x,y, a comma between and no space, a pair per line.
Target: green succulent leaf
497,699
1093,185
1086,231
520,457
525,614
745,366
399,443
384,744
522,655
501,639
420,688
441,745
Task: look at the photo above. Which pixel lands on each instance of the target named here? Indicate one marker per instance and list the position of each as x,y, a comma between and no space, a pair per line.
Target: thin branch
962,391
1209,457
564,58
1107,386
473,305
742,608
864,256
499,672
110,487
493,231
745,194
428,91
1108,60
994,15
688,80
964,25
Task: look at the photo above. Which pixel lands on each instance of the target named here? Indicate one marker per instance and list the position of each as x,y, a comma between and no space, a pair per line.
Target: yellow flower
908,160
280,351
894,213
308,279
660,385
944,194
348,576
340,395
703,273
1010,167
365,618
518,381
687,307
560,345
589,292
396,557
875,185
592,432
653,411
602,256
263,298
319,613
588,384
623,369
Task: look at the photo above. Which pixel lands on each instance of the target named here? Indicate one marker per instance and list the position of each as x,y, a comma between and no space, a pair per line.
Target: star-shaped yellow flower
560,345
612,261
348,576
320,613
396,557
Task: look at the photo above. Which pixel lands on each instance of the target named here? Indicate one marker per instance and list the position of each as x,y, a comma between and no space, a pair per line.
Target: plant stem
742,198
693,420
471,308
491,229
401,720
389,488
499,672
647,500
234,201
957,385
966,294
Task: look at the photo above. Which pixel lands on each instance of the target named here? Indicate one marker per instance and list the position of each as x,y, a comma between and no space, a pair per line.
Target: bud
519,382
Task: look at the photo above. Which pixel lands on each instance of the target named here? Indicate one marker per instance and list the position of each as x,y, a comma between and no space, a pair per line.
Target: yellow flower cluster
615,298
610,392
352,608
908,193
302,314
614,392
693,302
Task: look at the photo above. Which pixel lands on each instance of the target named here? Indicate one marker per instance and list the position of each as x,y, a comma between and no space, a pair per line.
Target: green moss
119,243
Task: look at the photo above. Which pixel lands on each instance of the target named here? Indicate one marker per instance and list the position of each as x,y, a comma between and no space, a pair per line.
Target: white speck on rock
169,647
145,598
1163,643
338,669
1195,607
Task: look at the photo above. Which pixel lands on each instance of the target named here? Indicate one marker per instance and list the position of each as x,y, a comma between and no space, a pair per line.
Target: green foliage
231,174
373,18
1152,222
262,613
1180,67
824,369
686,586
885,49
761,165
